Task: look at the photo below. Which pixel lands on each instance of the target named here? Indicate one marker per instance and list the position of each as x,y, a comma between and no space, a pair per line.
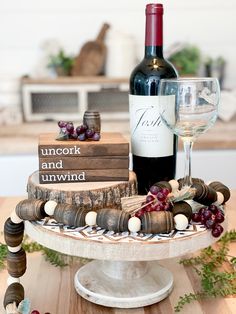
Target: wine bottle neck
154,30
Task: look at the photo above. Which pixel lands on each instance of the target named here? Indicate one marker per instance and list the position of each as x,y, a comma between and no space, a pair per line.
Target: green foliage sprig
215,282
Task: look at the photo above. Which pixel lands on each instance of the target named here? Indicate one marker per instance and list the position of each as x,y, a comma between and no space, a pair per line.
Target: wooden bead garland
113,219
70,215
220,187
205,194
182,207
157,222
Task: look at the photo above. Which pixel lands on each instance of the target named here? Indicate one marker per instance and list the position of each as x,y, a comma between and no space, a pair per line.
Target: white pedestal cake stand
124,272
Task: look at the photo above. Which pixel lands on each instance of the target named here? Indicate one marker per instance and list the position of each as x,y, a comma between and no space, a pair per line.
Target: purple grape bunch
80,133
211,217
156,200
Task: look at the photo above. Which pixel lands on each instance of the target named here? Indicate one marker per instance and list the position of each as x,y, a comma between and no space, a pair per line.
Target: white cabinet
68,98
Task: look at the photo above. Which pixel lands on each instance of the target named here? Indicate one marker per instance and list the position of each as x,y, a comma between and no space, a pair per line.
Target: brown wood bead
14,293
164,184
13,233
182,208
157,222
113,219
92,120
204,194
70,215
220,187
31,209
16,263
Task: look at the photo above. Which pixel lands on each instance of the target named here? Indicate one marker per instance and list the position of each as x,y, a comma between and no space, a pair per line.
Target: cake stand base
123,284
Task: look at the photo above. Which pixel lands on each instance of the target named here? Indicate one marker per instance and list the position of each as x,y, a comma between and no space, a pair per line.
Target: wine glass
188,107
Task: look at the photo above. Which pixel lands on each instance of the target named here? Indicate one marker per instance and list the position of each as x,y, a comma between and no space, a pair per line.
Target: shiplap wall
26,24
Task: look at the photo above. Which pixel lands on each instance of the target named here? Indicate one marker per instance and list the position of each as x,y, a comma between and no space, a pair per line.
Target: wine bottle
153,145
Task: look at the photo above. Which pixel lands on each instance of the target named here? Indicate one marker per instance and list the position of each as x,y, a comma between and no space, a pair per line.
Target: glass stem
188,145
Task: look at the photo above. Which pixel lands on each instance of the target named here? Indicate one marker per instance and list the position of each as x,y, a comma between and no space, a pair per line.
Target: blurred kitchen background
42,78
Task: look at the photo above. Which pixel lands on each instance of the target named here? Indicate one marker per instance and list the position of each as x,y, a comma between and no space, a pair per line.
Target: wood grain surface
51,289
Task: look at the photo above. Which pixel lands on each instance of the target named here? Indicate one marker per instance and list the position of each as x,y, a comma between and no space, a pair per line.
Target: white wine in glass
189,107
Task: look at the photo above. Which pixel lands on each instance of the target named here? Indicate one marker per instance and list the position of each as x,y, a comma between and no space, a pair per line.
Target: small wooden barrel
16,263
182,208
157,222
220,187
31,209
92,120
113,219
70,215
205,194
14,293
13,233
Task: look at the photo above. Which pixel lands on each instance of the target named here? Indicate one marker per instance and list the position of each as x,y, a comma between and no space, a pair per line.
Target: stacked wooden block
83,161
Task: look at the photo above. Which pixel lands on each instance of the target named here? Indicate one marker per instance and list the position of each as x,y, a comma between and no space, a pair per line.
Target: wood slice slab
90,195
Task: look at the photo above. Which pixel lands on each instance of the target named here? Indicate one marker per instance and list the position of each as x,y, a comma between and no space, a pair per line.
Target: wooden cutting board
91,58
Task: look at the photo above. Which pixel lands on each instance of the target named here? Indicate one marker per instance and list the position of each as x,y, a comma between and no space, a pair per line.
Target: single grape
219,217
81,137
35,312
81,129
154,189
73,135
219,227
201,210
89,133
203,219
96,136
167,206
196,217
160,196
70,127
165,191
216,232
139,213
62,124
149,208
207,214
149,198
214,209
210,223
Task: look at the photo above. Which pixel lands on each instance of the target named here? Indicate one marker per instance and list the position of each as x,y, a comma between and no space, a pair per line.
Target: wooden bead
14,249
16,263
182,208
91,218
181,222
70,215
92,120
204,194
14,218
13,233
14,293
113,219
49,207
134,224
31,209
157,222
220,187
220,198
174,185
11,280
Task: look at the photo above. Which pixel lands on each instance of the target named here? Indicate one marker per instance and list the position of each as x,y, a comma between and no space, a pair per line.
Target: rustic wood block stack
83,161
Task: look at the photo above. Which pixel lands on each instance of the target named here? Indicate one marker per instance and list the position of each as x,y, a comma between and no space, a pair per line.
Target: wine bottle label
150,137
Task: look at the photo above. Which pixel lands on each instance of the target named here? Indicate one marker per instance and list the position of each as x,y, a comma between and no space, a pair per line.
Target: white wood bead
49,207
134,224
220,199
181,222
14,249
91,218
174,185
14,218
11,280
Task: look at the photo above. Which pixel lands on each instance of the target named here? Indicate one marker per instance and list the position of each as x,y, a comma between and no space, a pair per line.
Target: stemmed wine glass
188,107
